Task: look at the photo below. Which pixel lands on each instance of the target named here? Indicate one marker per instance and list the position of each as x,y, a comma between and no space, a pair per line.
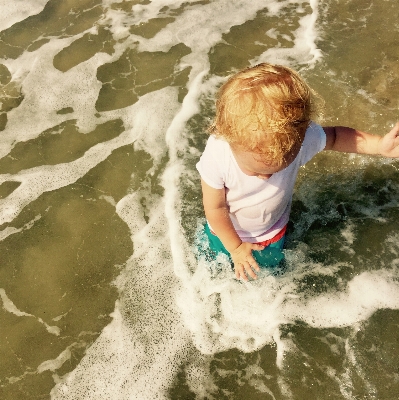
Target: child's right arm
349,140
217,213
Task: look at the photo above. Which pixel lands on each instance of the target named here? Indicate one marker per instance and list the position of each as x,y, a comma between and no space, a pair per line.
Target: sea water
104,110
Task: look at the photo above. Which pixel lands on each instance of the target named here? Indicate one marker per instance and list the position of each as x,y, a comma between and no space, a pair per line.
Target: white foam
365,294
304,51
18,10
158,106
223,313
9,306
135,357
170,179
197,27
348,233
53,365
310,34
12,231
47,90
346,379
349,236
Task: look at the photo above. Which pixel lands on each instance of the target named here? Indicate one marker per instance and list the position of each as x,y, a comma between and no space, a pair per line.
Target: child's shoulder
314,142
217,145
217,153
217,141
315,132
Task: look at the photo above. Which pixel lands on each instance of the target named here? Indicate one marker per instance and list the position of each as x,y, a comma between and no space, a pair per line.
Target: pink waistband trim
274,239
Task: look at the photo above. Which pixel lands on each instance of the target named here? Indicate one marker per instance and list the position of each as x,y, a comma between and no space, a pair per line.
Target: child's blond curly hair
264,109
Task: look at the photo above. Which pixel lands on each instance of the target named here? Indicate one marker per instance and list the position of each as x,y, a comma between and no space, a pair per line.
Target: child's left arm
349,140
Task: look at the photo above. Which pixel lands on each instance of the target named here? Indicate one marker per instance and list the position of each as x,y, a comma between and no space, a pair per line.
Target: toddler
262,133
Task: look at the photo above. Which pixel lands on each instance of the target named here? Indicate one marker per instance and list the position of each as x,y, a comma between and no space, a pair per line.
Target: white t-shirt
258,208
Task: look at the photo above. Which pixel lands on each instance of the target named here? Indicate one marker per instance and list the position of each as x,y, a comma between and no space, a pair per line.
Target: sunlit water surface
104,107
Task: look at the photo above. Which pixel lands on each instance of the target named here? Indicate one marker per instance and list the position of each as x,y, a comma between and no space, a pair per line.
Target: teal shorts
270,256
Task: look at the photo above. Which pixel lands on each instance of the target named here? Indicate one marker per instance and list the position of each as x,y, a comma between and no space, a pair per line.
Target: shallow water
104,105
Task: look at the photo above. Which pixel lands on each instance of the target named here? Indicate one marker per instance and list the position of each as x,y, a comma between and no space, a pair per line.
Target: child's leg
271,255
215,244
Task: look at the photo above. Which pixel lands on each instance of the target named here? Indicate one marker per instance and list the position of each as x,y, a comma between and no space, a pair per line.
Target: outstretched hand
244,262
389,144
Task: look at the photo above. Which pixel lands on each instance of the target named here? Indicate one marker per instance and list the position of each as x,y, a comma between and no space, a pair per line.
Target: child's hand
389,144
244,262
